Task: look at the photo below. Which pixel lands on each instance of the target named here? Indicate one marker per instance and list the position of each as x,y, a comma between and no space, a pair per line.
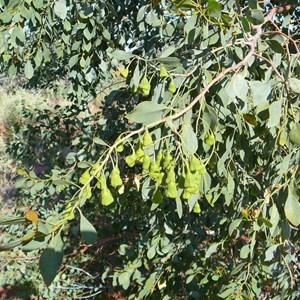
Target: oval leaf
60,9
292,209
146,112
48,265
88,231
28,70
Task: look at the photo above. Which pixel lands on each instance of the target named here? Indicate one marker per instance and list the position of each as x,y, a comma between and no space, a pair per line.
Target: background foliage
184,183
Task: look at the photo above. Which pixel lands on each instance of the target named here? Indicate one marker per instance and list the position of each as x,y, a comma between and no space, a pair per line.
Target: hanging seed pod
189,180
145,86
139,153
130,160
157,197
194,190
197,208
168,161
186,194
146,162
209,139
124,73
171,176
120,147
163,72
134,89
154,170
147,139
106,197
101,184
172,87
171,190
160,179
194,163
85,177
115,178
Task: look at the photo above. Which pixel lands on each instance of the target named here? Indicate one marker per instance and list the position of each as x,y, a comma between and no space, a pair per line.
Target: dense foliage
185,184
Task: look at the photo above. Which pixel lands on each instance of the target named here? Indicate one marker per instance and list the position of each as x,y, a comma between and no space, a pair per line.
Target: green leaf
87,230
121,55
147,112
28,70
274,218
240,86
245,250
292,208
257,16
58,245
151,252
8,246
179,208
270,253
251,119
295,134
276,46
260,91
295,85
60,9
228,292
169,62
275,113
234,224
12,221
36,243
189,140
99,141
213,5
51,259
212,249
48,265
168,51
124,280
43,228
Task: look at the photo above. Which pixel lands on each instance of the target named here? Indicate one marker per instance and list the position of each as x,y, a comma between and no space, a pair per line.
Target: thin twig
271,64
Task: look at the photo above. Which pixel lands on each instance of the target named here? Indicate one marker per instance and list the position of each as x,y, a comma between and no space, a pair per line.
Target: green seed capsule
160,179
189,180
139,153
124,73
209,139
134,89
197,208
106,197
115,178
163,72
154,170
202,169
171,176
172,87
186,194
171,190
194,163
101,184
168,161
130,160
120,147
147,139
85,177
145,86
